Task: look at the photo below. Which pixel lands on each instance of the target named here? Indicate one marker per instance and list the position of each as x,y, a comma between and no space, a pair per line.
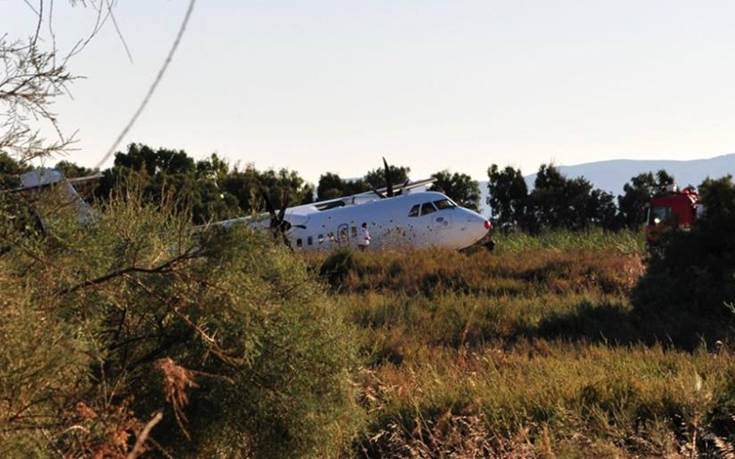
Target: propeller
388,185
389,192
380,195
278,223
403,187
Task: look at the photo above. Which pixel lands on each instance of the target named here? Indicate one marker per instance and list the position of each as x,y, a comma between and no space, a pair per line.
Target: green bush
691,274
225,333
337,266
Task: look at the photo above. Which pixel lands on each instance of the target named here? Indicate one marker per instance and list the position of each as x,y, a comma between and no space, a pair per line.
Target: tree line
213,189
558,202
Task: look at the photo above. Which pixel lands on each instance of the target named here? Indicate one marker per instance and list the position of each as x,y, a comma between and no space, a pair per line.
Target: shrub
225,334
691,274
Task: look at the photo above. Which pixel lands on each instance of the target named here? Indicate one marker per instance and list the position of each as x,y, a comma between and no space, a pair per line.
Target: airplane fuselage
416,220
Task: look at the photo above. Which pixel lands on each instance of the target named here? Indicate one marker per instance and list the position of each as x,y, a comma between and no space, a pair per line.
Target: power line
153,87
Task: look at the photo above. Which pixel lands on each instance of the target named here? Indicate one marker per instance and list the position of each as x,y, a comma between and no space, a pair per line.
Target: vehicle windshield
444,204
659,214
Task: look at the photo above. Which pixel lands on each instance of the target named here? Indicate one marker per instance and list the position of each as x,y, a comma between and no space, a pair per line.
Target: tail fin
54,195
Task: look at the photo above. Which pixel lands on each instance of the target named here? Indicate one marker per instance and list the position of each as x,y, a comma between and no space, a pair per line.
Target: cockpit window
427,208
414,212
444,204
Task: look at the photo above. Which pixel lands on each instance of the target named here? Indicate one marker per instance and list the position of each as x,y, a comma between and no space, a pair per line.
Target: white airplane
404,220
395,220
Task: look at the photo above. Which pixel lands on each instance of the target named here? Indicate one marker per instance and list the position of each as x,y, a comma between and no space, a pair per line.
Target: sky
335,85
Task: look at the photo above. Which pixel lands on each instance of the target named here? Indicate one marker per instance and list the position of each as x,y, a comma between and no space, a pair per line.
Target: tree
35,74
330,186
559,202
555,201
638,193
460,187
71,170
9,171
398,176
33,78
286,188
162,174
507,196
602,210
208,187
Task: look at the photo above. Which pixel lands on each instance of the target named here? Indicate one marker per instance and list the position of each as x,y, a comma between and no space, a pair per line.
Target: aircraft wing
360,198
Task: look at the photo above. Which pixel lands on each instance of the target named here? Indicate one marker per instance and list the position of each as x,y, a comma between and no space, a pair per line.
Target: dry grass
512,273
524,353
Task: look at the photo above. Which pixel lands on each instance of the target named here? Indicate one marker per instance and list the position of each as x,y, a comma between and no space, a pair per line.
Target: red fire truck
670,210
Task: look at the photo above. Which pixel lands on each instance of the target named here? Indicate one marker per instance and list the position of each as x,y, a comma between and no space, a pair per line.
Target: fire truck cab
671,210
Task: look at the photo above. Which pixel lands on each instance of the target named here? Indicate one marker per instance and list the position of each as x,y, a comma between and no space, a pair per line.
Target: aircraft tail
54,196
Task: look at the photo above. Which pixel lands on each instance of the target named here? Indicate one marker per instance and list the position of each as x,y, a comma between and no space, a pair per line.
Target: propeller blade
284,204
381,195
403,188
278,224
268,204
286,241
388,185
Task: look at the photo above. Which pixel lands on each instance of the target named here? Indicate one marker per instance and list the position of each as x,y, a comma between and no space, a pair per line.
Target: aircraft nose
476,226
478,221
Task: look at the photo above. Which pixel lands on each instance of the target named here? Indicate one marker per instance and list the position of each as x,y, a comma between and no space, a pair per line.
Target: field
533,350
136,336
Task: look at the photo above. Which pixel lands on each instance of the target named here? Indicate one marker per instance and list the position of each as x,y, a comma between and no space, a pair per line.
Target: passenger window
310,240
298,243
414,212
343,234
321,238
427,208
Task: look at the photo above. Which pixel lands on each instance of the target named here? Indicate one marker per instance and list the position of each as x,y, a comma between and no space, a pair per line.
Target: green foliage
637,196
209,187
71,170
625,241
559,202
460,187
225,333
338,266
690,275
555,202
398,176
10,169
508,196
331,186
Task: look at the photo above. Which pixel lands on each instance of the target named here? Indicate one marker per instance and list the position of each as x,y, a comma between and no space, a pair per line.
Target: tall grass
531,350
540,397
624,241
429,272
